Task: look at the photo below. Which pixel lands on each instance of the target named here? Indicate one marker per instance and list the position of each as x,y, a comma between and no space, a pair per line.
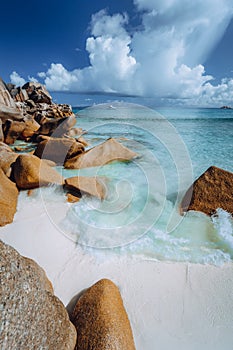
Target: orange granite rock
31,316
7,158
58,149
101,320
31,172
93,186
100,155
212,190
8,199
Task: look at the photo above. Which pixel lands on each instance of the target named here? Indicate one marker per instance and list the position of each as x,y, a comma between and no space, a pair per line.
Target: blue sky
162,52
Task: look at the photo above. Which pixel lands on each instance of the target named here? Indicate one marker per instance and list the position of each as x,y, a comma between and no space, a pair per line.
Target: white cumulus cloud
163,57
16,79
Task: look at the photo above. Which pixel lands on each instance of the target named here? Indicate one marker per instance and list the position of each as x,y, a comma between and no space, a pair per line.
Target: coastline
178,305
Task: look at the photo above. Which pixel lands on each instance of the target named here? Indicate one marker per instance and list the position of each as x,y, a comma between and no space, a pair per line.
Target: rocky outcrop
29,111
59,149
36,92
31,316
101,320
7,158
8,108
30,172
93,186
55,126
8,200
100,155
212,190
225,107
5,97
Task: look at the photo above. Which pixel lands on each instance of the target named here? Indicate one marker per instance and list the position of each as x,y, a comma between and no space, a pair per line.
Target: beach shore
170,305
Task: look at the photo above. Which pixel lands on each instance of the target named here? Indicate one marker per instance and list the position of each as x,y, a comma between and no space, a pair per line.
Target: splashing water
140,215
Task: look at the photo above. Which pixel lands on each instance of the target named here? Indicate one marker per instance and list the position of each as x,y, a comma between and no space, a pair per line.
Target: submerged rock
93,186
100,155
31,316
8,200
71,198
101,320
30,172
212,190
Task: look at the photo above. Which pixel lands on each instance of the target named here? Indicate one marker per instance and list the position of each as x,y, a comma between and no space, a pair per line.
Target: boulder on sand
31,172
31,316
100,155
58,149
8,200
93,186
101,320
212,190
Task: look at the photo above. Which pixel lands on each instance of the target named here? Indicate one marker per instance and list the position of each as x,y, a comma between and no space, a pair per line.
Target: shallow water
140,215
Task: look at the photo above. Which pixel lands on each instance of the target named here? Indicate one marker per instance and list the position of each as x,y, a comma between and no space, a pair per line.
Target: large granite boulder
8,108
8,200
100,155
212,190
93,186
58,149
12,130
23,129
31,316
30,127
101,320
55,125
7,158
30,172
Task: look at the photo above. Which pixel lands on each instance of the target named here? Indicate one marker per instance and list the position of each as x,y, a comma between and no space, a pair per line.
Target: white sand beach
170,305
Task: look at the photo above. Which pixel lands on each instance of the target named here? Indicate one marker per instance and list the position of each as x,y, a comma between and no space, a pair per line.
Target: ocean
140,215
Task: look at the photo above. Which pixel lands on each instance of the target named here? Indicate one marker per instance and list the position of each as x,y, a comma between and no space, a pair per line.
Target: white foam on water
223,223
140,216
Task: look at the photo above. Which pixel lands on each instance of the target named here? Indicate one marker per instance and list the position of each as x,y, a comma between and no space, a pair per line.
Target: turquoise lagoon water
140,216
